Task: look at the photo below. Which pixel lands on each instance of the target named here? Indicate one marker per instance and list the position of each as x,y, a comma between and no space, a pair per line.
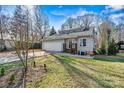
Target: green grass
120,54
65,72
9,66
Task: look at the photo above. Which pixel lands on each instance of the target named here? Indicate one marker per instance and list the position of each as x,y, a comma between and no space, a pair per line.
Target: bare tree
120,28
41,23
87,20
105,36
84,21
18,28
2,28
80,21
70,22
64,26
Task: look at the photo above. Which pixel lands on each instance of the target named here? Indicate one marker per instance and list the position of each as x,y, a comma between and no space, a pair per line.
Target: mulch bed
34,74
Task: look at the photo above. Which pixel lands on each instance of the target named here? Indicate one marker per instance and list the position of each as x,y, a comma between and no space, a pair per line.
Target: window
122,46
73,45
82,42
70,43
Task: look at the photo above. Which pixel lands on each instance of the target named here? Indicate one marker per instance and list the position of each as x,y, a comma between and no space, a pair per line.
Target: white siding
7,44
55,45
89,45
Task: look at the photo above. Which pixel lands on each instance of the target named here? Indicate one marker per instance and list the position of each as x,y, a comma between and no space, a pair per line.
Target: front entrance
70,46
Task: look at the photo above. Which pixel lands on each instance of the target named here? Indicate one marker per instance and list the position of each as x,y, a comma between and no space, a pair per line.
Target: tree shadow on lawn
100,70
94,68
109,58
74,72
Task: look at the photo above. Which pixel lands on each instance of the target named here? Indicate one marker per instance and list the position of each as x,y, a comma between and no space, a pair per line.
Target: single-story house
121,46
120,34
76,41
5,44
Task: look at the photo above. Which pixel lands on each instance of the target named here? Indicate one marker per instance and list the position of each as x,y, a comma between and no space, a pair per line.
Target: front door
70,46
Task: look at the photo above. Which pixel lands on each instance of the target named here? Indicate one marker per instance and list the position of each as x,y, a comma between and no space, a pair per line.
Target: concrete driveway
8,57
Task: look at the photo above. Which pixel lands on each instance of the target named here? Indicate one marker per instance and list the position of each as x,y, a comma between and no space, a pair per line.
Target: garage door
53,45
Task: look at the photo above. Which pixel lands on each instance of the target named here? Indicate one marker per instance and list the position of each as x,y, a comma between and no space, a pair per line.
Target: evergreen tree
52,31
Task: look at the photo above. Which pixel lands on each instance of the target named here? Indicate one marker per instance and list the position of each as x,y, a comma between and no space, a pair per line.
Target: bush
113,48
100,51
12,78
3,48
36,46
2,71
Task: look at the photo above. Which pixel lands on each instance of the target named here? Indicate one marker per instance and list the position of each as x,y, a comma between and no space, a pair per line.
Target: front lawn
121,54
64,71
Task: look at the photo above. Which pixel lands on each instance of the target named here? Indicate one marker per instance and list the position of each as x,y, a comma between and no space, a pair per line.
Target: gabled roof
87,33
73,30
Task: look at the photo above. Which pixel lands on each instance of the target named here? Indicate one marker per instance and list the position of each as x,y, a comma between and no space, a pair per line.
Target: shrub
12,78
100,51
113,48
2,71
5,48
36,46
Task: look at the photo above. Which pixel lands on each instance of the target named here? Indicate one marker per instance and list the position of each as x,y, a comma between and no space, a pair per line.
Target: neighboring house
6,42
120,33
1,44
121,40
76,41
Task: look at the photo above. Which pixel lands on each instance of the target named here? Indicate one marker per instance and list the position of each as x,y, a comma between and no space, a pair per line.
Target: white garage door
56,45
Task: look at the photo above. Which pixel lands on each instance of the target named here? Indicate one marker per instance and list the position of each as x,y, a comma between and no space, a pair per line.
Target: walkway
75,55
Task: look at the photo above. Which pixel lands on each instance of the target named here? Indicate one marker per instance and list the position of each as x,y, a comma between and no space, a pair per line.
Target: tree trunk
1,39
41,45
24,72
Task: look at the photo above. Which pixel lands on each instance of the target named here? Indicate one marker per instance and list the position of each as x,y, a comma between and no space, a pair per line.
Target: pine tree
52,31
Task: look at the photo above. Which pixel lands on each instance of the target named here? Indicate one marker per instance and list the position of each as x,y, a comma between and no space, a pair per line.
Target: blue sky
57,14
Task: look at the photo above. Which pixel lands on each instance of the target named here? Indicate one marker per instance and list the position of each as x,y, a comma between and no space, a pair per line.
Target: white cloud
67,14
30,7
116,18
115,7
81,13
112,8
117,15
58,13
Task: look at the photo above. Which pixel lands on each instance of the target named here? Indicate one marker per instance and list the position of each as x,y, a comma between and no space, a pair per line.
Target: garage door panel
53,46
